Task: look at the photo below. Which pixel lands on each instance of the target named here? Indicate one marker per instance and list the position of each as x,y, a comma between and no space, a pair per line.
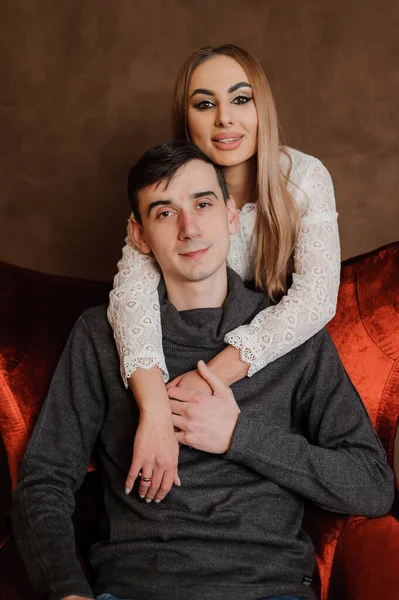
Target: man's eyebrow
197,195
193,196
231,89
157,203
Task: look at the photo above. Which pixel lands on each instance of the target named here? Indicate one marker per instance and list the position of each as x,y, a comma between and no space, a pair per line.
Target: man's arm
339,463
54,467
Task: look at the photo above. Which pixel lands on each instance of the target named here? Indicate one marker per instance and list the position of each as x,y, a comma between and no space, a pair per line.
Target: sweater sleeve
134,313
310,303
333,455
54,467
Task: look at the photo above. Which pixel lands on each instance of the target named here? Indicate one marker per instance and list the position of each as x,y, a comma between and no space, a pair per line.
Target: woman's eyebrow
237,86
231,89
202,91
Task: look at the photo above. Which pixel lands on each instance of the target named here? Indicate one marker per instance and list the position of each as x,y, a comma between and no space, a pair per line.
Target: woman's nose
224,117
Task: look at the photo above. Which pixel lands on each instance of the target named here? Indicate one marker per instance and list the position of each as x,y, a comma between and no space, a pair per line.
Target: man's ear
137,235
232,215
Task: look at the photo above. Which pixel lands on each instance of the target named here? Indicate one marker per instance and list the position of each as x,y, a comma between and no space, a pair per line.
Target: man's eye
242,100
164,214
203,105
203,204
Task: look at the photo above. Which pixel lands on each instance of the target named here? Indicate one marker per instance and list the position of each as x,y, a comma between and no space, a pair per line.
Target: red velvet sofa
357,558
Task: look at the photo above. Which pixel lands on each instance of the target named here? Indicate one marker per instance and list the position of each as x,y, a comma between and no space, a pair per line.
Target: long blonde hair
277,222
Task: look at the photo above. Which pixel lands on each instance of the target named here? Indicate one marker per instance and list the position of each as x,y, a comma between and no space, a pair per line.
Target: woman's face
222,117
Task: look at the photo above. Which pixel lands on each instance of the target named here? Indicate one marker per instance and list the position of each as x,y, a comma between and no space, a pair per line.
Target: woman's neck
241,182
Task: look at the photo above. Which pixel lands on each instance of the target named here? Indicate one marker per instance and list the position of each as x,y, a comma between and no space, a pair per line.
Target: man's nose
189,227
224,115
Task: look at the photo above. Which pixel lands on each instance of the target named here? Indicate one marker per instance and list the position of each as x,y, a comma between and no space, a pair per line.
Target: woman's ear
232,215
137,236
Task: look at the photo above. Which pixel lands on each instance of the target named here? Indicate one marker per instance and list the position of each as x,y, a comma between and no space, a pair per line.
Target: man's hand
205,422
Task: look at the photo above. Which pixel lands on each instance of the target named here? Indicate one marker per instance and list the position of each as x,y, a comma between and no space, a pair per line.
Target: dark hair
161,163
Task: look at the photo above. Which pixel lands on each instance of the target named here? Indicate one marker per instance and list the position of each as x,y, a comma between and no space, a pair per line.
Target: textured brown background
86,86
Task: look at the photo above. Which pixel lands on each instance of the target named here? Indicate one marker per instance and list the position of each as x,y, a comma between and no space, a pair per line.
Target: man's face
186,225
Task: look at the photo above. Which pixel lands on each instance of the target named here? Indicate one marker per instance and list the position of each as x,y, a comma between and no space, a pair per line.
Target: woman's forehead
217,73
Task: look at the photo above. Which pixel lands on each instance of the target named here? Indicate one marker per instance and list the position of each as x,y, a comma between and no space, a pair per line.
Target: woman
288,226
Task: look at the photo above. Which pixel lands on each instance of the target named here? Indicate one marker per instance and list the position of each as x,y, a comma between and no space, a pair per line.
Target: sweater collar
206,327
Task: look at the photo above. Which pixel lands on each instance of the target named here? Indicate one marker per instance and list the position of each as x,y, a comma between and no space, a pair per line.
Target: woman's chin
229,160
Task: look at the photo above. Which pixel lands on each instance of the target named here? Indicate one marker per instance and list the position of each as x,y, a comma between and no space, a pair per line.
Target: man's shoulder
318,348
95,320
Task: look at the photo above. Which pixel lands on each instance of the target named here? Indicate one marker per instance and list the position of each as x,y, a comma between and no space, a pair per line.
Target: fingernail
157,501
148,500
128,490
141,496
178,481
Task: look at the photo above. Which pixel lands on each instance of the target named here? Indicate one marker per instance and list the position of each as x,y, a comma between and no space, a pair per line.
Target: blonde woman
288,231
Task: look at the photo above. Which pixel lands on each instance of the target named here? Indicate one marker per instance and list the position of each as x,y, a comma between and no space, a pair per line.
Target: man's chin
200,273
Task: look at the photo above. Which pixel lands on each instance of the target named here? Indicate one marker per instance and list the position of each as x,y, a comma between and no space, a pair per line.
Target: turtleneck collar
206,327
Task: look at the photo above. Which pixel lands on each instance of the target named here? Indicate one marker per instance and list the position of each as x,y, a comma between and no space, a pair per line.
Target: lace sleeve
310,302
134,313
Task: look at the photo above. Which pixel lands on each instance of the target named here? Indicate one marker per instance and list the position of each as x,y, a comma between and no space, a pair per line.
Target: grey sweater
233,531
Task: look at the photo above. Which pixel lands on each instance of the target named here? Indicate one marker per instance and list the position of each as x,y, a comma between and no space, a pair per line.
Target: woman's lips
229,141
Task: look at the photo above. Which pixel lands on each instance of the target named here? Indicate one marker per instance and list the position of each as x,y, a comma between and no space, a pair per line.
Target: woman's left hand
191,380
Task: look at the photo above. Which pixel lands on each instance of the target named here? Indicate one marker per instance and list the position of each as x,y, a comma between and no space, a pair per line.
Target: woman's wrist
228,366
149,389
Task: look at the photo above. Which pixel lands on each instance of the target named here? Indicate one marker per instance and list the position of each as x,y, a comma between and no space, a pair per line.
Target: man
249,457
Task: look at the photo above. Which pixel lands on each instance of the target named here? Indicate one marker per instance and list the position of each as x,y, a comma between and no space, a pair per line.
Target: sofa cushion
366,560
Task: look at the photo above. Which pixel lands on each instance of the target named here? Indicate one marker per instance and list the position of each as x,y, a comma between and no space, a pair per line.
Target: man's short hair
161,163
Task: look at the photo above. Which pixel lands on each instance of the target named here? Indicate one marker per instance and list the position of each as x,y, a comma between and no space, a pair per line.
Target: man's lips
228,140
194,253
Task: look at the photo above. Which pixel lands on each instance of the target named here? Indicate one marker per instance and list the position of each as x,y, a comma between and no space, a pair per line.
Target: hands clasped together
202,413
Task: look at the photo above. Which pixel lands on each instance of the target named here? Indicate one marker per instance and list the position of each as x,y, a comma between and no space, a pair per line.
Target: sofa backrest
38,311
365,331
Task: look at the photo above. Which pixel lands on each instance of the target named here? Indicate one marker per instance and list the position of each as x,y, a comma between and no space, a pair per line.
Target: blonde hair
278,218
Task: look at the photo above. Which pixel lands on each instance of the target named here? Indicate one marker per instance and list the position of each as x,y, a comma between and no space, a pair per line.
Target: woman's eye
241,100
203,105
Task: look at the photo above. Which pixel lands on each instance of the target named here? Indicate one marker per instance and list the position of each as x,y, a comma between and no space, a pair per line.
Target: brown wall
87,86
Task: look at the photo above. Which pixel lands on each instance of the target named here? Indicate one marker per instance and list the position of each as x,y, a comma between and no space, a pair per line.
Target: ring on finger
146,479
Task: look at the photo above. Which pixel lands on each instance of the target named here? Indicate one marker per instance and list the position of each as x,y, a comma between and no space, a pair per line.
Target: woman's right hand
155,455
155,448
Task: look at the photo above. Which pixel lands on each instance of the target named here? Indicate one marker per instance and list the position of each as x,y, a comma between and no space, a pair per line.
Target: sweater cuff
71,588
240,440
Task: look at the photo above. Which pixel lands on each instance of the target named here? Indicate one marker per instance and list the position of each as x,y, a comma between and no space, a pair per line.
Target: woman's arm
134,315
310,302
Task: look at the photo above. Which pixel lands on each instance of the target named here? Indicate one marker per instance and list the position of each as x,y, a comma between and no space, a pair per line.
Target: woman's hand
155,455
226,365
191,380
155,448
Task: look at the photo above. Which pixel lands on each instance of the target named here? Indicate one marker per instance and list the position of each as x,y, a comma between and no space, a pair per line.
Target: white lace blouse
308,305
